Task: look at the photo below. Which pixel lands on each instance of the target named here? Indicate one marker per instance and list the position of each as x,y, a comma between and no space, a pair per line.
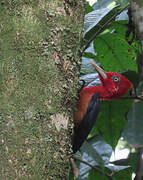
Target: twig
94,167
132,97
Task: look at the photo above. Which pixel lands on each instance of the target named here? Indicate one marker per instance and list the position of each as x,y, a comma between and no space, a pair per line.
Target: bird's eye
116,79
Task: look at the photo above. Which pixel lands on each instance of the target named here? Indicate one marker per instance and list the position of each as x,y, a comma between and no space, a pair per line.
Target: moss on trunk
39,63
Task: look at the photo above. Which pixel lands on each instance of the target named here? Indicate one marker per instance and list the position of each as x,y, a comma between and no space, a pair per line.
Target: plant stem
94,167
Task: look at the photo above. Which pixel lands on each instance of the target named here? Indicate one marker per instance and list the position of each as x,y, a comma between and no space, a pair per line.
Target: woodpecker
113,86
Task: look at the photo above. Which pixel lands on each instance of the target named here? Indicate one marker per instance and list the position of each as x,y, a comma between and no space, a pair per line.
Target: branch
94,167
133,97
130,97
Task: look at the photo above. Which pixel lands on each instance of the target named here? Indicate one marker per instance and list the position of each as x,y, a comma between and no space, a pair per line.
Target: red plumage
113,86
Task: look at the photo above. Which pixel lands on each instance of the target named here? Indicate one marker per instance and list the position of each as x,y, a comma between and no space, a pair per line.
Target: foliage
133,133
109,120
106,41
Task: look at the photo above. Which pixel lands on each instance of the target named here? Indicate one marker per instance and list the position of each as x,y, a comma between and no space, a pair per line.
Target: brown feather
82,107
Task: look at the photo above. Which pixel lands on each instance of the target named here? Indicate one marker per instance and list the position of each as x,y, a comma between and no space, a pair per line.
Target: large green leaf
111,120
133,134
116,54
95,151
120,27
102,4
132,76
125,174
97,21
123,3
94,174
133,160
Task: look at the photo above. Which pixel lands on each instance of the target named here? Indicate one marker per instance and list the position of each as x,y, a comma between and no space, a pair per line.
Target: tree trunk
39,64
137,17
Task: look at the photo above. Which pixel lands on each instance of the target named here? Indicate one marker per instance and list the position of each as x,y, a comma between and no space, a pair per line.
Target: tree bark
40,42
137,17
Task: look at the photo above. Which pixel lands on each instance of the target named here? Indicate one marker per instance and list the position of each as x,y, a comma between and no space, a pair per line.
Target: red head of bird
113,86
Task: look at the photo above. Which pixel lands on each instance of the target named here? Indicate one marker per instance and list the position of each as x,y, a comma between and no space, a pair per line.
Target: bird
113,86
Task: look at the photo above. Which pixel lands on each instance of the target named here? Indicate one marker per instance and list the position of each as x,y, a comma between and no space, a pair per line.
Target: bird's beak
99,70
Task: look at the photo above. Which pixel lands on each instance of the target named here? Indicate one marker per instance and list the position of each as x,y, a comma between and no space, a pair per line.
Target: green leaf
125,174
120,27
95,151
88,8
90,55
130,161
111,120
96,22
95,148
133,160
93,174
133,134
102,4
123,3
116,54
132,76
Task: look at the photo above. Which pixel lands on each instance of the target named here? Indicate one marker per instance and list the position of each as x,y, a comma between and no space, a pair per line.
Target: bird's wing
84,128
